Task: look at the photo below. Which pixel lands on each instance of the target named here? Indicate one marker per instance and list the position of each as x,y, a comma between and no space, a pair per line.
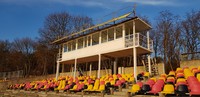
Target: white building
120,37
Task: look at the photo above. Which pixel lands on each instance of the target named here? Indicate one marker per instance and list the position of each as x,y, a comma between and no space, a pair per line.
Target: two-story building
119,37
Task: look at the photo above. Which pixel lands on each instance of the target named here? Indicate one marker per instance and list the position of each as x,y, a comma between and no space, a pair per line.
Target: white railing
151,44
59,56
140,40
129,40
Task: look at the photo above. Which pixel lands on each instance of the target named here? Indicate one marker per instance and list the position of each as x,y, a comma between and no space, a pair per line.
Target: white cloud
88,3
79,2
155,2
96,3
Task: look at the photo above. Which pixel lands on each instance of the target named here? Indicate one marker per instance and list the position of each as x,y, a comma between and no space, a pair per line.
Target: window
111,34
119,32
65,48
73,45
85,40
129,28
69,46
89,40
104,37
80,43
95,39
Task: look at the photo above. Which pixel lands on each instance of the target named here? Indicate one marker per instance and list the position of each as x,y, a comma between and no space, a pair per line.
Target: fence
190,56
13,74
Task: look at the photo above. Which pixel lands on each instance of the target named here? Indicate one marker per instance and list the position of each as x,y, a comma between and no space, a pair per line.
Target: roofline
93,27
144,22
73,36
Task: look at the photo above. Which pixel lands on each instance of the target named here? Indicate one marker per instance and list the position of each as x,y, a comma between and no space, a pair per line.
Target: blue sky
23,18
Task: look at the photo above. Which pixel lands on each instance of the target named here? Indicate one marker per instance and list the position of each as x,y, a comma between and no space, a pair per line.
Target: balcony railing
59,56
140,40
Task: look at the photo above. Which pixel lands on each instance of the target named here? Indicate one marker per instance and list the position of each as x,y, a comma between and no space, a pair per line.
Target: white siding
94,50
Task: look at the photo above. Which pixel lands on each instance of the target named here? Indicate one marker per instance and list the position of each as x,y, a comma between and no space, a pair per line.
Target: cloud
154,2
79,2
96,3
87,3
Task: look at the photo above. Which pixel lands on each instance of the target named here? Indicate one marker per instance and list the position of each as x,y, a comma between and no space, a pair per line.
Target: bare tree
168,26
57,25
25,48
44,57
4,55
191,29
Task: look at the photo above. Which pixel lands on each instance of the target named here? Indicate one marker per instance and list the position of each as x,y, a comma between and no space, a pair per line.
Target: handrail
140,40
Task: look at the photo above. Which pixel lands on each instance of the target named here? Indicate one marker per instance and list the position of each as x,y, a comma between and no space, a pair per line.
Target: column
119,70
99,37
75,63
149,56
90,69
76,44
63,68
57,70
134,53
149,63
115,66
164,68
148,40
99,66
123,32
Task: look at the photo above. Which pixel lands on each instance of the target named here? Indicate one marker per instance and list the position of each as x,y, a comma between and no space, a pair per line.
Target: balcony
140,40
59,56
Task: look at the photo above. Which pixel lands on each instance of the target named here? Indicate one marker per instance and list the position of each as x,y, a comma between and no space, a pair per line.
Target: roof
104,25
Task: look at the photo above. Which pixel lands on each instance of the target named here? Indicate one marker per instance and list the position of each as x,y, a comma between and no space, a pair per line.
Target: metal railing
140,40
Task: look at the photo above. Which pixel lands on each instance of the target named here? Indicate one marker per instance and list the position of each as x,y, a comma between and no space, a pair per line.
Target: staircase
154,65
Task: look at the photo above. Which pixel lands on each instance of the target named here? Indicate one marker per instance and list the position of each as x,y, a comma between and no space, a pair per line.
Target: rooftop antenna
134,9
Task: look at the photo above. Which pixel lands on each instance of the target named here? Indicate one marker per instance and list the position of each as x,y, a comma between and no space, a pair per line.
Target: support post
99,67
135,62
90,69
75,63
164,68
123,71
63,68
149,63
115,66
119,70
123,33
57,70
134,52
148,40
149,56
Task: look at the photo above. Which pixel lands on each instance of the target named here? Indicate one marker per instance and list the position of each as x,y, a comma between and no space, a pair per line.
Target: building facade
120,37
